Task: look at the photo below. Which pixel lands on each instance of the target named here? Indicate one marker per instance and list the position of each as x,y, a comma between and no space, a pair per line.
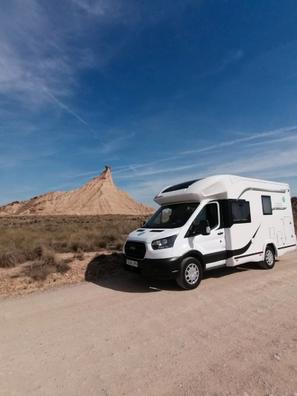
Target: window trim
266,196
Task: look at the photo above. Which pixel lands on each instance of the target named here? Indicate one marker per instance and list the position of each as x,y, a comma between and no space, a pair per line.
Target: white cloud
235,156
114,143
283,133
97,8
251,137
268,142
131,12
32,53
153,171
42,49
278,161
230,58
65,107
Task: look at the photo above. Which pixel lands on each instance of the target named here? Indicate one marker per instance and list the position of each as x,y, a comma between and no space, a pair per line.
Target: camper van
208,223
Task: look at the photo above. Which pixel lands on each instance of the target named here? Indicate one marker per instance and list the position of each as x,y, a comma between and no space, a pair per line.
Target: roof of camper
216,187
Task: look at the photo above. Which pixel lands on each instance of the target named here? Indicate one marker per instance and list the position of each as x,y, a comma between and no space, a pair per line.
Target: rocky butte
100,196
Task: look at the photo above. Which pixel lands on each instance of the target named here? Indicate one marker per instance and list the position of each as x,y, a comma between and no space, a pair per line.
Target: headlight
164,243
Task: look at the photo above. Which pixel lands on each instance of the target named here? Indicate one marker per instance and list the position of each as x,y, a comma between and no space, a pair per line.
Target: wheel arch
273,246
196,254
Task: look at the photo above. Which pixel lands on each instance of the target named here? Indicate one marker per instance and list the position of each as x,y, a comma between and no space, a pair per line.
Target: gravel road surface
234,335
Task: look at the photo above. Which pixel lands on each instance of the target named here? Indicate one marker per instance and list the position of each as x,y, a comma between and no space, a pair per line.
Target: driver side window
210,213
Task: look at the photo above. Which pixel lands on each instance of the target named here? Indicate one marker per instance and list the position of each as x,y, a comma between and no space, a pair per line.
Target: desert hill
97,197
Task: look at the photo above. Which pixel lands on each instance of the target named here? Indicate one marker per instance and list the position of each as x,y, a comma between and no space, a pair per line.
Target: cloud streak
65,108
277,162
249,138
214,147
43,52
31,55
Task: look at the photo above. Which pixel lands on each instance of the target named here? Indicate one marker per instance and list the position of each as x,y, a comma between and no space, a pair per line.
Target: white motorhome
217,221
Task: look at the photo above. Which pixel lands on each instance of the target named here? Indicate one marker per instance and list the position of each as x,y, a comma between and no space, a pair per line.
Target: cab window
172,216
210,213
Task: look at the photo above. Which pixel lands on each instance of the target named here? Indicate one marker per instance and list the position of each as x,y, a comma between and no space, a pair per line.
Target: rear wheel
190,274
269,258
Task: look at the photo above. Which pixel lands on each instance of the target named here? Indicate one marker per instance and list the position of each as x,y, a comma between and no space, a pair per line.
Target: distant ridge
97,197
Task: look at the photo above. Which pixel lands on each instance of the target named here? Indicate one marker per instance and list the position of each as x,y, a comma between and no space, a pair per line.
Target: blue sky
162,91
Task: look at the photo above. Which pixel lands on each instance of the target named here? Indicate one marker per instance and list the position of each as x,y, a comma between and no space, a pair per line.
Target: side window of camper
266,205
241,211
209,212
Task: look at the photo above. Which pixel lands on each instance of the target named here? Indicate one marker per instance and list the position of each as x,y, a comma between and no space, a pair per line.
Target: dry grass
28,238
79,255
51,245
47,263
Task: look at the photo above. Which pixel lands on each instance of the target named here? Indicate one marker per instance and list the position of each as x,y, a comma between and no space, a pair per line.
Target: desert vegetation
30,238
40,251
36,238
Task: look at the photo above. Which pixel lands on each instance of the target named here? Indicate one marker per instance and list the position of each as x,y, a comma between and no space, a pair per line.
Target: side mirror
204,227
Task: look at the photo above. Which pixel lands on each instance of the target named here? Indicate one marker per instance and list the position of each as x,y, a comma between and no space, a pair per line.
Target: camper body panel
275,229
217,187
240,230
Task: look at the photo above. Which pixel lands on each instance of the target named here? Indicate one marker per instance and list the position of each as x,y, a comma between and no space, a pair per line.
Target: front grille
135,249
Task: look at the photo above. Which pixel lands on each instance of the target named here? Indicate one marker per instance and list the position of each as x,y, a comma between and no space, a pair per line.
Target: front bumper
156,268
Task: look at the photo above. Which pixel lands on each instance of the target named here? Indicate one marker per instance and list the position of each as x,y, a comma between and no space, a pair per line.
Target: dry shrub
46,264
8,259
102,244
119,246
79,255
24,238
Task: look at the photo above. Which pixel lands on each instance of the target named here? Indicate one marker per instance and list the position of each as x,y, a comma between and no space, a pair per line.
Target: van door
213,245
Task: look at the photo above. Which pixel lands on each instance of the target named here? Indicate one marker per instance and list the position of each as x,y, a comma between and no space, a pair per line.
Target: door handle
220,233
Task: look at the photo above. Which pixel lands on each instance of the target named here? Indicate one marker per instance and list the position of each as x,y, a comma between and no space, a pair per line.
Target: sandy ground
89,265
12,282
234,335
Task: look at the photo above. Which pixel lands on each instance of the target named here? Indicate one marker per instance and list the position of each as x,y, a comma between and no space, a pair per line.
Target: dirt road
234,335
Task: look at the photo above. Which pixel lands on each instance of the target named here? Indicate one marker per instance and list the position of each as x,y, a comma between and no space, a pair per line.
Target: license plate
132,263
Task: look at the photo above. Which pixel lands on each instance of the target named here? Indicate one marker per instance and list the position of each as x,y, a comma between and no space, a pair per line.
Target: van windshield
172,216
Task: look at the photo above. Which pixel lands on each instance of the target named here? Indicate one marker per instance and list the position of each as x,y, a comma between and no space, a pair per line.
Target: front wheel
269,258
190,274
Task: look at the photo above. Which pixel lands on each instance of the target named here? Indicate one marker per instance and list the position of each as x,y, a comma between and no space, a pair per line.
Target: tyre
190,274
269,258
